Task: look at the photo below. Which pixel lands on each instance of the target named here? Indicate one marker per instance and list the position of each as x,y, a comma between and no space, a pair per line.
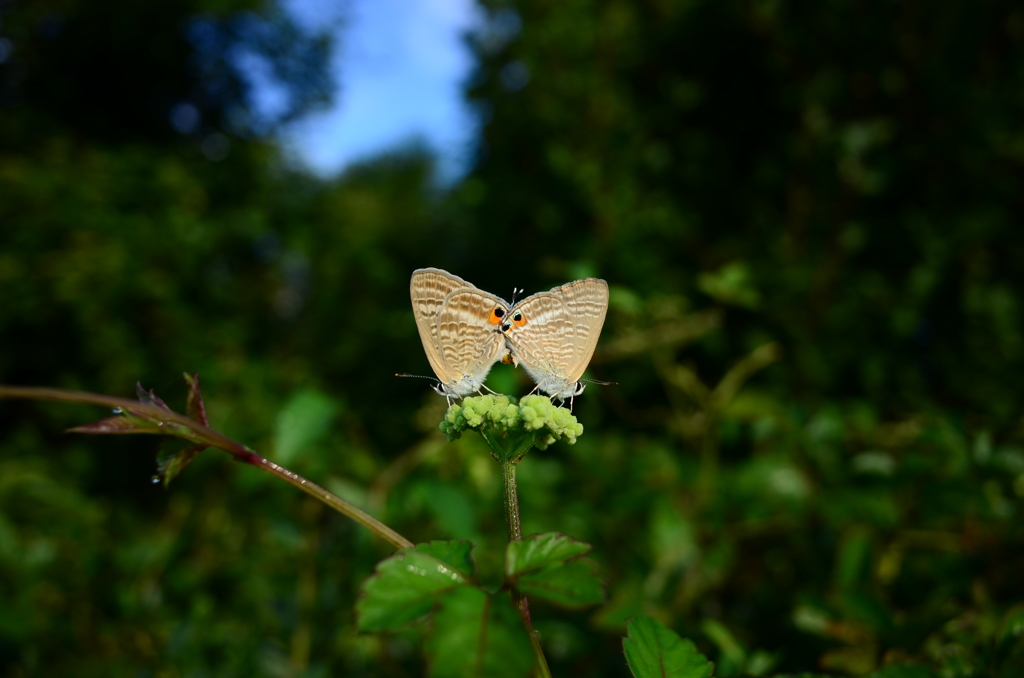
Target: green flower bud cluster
534,416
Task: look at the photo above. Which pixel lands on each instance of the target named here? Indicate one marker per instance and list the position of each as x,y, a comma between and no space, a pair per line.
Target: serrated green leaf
476,634
456,552
653,651
575,584
539,551
405,587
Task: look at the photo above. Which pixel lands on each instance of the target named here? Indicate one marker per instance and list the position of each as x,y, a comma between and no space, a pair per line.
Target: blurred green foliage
807,213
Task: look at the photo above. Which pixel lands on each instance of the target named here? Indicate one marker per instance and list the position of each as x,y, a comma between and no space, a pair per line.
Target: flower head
496,416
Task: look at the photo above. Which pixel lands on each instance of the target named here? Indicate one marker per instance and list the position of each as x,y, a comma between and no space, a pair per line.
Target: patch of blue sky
399,66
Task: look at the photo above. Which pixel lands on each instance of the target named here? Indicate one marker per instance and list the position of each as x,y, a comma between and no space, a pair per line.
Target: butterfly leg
561,401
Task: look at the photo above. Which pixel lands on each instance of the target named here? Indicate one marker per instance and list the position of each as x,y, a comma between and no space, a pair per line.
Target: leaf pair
473,632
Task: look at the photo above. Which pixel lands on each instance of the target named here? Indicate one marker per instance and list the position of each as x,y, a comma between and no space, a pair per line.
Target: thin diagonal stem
198,433
515,533
332,500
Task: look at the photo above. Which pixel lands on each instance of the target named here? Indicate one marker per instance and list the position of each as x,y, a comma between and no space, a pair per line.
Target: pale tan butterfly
553,334
460,327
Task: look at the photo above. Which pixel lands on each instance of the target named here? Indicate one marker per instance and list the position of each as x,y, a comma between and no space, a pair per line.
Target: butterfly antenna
421,376
601,383
516,293
418,376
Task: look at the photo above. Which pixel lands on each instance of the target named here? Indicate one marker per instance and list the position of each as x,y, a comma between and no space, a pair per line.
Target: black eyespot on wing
506,327
517,317
499,312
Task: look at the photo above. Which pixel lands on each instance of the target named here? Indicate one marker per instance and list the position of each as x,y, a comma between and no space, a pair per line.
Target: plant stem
508,471
198,433
515,533
332,500
538,653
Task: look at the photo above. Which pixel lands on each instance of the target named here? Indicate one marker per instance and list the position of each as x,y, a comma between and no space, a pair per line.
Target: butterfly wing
458,327
587,301
428,288
469,338
553,334
542,338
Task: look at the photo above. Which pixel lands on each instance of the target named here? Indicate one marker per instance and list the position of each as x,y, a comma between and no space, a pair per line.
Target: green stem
497,449
538,653
521,447
515,533
508,471
332,500
201,434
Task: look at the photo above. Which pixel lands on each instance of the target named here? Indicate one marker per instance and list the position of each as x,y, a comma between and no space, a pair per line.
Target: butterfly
553,334
460,327
465,330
